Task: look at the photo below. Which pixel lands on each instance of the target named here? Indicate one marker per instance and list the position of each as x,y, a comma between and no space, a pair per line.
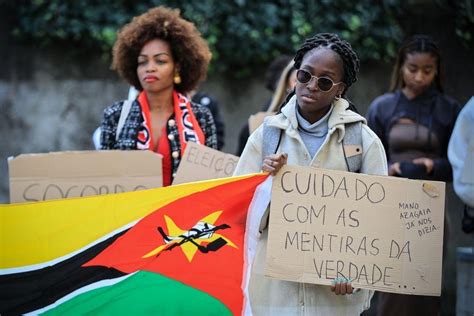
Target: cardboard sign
255,120
58,175
203,163
383,233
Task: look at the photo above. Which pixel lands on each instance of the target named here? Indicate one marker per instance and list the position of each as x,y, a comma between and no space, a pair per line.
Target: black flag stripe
28,291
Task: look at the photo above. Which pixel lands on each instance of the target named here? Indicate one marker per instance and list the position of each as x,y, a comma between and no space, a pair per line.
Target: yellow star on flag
188,248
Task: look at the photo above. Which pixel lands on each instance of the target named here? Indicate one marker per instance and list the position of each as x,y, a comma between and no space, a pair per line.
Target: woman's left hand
342,287
427,162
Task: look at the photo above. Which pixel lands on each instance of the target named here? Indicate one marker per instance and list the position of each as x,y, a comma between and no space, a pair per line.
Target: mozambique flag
168,251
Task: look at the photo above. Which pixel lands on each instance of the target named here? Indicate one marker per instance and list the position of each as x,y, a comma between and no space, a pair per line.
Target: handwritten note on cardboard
383,233
203,163
59,175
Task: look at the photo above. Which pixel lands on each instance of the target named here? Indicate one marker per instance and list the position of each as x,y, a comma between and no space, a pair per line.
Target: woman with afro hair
164,57
312,126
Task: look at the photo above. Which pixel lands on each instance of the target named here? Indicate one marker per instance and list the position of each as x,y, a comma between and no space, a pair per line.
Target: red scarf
188,130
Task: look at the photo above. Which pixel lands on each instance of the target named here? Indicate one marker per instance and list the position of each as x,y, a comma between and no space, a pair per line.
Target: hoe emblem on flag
192,240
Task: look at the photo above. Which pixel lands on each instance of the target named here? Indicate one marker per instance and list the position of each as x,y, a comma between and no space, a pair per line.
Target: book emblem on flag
202,236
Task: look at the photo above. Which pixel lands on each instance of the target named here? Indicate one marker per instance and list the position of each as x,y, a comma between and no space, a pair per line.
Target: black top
211,103
433,115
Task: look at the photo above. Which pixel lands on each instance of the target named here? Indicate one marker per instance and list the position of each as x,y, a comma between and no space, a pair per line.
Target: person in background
211,103
273,74
310,125
286,84
414,121
280,78
164,57
461,157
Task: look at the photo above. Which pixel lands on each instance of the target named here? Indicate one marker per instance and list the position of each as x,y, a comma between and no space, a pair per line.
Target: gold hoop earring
177,78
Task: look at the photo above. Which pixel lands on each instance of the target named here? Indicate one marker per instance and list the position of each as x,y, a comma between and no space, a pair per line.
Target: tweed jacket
276,297
127,139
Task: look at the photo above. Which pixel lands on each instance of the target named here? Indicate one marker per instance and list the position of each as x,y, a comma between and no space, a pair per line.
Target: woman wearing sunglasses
313,124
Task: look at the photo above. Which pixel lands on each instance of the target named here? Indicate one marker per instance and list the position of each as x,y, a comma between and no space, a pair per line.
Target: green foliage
464,12
243,34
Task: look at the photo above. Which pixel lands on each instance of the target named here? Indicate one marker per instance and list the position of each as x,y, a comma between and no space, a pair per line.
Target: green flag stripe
144,293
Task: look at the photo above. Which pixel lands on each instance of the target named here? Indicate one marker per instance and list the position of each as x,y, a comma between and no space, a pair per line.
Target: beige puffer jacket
276,297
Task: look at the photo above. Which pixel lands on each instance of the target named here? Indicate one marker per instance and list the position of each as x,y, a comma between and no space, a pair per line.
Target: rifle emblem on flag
204,231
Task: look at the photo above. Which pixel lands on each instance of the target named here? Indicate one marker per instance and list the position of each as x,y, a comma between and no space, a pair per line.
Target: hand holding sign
273,163
342,287
383,233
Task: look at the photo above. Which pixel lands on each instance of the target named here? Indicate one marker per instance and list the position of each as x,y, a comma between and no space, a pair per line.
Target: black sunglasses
324,84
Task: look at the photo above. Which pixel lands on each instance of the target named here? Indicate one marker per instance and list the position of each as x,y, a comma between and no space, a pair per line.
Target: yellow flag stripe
32,233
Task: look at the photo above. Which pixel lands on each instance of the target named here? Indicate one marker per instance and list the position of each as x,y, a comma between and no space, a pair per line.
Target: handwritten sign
383,233
203,163
59,175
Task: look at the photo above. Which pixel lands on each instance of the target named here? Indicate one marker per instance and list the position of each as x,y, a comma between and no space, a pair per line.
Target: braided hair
416,44
349,58
341,47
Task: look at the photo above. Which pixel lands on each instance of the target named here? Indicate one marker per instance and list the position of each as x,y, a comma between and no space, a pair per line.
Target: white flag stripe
80,291
259,204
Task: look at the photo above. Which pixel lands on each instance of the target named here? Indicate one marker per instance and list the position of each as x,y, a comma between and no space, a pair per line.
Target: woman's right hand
273,163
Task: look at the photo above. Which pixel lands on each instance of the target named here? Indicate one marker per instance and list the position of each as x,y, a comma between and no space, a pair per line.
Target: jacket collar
340,116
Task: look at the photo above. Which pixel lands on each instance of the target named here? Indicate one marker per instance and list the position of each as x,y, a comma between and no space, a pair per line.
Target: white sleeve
374,160
461,154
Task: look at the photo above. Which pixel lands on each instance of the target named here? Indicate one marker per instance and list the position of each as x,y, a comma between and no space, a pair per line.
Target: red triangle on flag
197,240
